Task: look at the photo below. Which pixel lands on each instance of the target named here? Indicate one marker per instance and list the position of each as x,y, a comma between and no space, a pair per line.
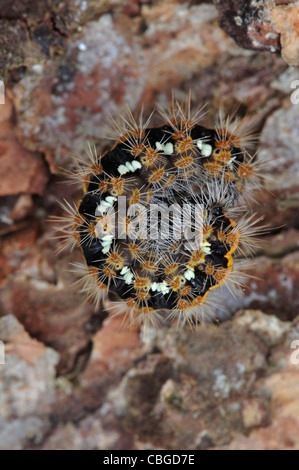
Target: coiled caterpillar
160,220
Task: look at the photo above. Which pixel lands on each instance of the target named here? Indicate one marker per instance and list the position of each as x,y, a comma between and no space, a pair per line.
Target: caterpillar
164,214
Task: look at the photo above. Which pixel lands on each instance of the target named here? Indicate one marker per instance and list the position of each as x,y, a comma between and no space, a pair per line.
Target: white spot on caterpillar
199,144
165,148
128,277
205,247
160,287
189,274
106,249
130,167
206,149
107,237
163,288
137,165
122,170
105,204
124,270
110,200
106,243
